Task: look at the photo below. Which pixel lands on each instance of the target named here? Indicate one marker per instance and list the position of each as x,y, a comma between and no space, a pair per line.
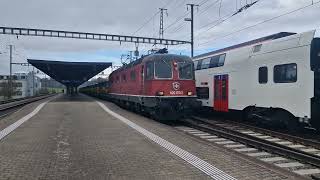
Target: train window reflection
198,67
205,63
163,69
195,64
285,73
185,71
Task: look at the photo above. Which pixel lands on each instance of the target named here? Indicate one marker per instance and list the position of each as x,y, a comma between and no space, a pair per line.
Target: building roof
70,73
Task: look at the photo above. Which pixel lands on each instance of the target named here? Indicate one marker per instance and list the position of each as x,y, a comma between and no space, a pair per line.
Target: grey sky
125,17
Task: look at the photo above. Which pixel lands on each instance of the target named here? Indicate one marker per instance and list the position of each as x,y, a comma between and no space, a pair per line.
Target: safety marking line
200,164
18,123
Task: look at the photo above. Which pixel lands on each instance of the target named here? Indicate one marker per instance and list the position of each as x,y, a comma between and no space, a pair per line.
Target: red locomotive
159,84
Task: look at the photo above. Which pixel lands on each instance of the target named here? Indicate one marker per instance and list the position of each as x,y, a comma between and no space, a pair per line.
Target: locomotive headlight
189,93
160,93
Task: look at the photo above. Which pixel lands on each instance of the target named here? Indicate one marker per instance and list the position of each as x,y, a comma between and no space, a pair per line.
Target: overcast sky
126,16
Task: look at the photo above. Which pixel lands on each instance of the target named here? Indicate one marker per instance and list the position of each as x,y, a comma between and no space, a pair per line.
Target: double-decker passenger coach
275,78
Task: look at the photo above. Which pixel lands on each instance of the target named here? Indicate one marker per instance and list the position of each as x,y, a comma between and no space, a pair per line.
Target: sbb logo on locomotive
176,87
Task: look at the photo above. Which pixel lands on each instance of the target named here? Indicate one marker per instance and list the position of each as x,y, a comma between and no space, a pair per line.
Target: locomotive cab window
185,70
285,73
163,69
149,70
263,75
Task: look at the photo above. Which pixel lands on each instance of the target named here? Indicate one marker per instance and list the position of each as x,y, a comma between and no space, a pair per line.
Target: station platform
78,138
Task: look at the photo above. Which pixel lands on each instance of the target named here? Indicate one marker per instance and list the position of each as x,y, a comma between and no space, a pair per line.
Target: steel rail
294,139
13,100
23,101
254,142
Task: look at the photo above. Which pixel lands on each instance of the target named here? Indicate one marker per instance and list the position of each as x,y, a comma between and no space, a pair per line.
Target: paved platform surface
74,138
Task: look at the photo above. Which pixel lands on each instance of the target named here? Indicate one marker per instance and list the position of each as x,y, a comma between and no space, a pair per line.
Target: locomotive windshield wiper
166,63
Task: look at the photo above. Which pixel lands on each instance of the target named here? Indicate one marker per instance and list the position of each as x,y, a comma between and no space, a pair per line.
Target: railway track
10,106
276,134
284,151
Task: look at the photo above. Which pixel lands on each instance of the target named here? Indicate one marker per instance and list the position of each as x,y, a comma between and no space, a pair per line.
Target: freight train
160,84
275,79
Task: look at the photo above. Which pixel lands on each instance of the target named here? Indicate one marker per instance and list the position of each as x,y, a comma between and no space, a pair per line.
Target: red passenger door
221,83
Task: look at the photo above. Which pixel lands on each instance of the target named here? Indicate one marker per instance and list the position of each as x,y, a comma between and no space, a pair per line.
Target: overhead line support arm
92,36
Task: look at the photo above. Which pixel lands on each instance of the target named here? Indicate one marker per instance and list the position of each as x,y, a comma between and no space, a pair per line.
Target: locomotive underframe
160,107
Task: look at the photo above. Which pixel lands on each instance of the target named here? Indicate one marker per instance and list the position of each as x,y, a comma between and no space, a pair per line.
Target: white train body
268,73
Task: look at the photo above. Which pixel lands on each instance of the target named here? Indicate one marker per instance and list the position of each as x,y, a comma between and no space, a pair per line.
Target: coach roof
255,41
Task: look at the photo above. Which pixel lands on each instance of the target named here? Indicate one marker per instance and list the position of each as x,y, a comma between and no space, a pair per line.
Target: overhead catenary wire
262,22
224,18
205,9
144,24
177,20
182,17
152,17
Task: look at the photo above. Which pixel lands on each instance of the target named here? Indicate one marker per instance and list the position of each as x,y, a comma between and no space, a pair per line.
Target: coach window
214,61
124,78
198,67
149,70
205,63
285,73
117,79
263,75
195,63
222,58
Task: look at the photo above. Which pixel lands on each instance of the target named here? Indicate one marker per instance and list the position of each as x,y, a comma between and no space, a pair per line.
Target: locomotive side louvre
271,74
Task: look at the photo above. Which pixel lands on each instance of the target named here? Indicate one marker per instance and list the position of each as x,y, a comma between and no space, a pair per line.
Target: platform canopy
71,74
